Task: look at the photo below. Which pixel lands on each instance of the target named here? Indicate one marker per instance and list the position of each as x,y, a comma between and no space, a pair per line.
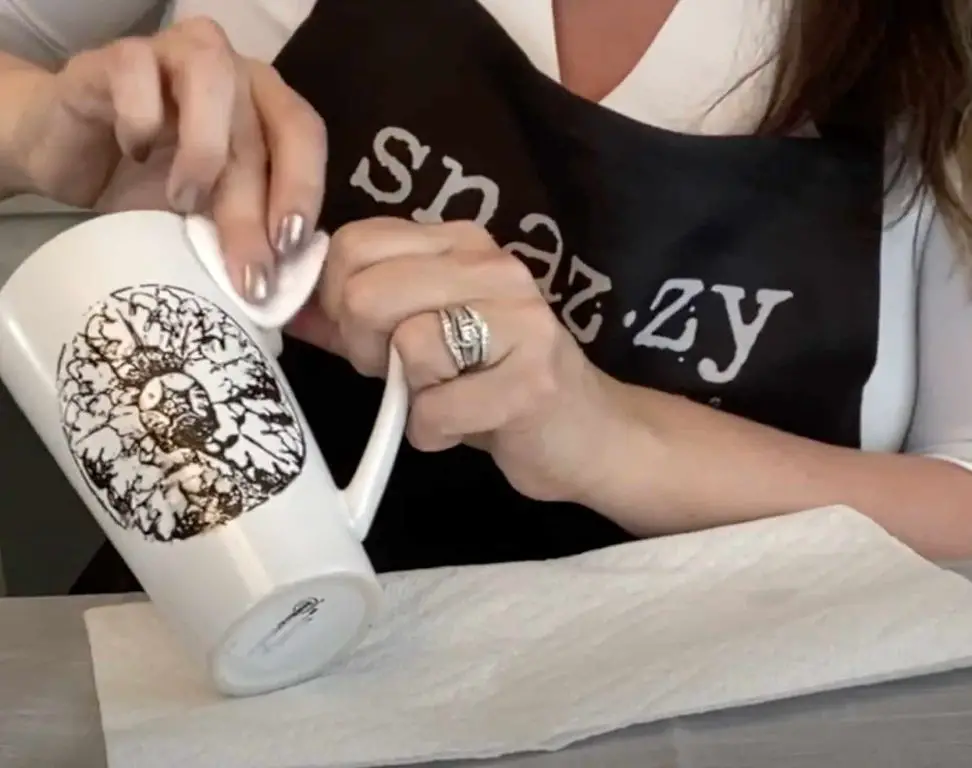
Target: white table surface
49,714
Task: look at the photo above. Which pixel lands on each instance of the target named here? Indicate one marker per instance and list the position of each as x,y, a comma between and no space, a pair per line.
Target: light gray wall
46,534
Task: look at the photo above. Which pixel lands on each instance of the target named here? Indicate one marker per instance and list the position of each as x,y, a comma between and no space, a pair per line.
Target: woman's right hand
180,121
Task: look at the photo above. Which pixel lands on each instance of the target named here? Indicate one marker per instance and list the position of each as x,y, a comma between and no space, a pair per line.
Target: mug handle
365,490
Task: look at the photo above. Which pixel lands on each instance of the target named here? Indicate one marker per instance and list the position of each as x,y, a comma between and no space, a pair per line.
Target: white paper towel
482,661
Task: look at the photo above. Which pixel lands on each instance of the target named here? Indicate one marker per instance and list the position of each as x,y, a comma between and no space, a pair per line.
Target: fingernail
290,234
256,283
186,199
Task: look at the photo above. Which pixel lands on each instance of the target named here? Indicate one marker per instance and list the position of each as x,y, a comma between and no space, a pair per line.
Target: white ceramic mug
165,407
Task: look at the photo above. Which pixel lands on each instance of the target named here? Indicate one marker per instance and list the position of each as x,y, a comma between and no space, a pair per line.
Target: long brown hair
904,64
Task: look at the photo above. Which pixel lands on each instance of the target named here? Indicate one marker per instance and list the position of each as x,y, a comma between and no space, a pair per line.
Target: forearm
20,84
672,465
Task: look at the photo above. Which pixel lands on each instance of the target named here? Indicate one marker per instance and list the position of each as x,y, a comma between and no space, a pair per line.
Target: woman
742,227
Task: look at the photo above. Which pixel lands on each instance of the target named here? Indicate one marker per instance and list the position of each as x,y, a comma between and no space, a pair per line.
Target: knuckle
545,330
300,119
468,235
311,122
349,241
205,52
206,33
497,267
515,270
309,127
292,115
487,266
128,54
74,84
542,384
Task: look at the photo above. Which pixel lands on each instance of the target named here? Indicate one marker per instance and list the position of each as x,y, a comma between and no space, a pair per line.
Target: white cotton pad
296,279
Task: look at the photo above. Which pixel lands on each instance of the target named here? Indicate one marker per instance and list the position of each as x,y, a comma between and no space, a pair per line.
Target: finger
474,403
385,294
297,145
139,103
361,244
201,75
520,380
239,204
365,348
121,86
380,298
357,246
426,358
310,325
137,93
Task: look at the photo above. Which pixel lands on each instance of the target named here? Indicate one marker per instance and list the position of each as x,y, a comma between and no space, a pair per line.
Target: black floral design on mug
173,413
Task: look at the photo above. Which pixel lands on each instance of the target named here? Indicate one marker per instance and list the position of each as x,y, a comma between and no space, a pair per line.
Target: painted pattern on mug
173,414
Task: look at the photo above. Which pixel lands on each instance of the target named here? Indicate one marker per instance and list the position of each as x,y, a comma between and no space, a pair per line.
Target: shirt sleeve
49,31
942,421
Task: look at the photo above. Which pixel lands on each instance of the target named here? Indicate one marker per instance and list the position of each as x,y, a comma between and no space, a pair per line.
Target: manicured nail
256,283
290,234
186,199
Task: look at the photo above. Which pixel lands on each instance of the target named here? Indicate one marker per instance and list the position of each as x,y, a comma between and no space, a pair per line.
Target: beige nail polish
256,283
290,234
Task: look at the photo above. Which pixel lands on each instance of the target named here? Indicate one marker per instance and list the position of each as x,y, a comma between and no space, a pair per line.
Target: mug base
294,633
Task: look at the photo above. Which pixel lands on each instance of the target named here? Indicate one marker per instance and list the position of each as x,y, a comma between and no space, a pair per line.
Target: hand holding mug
180,121
487,362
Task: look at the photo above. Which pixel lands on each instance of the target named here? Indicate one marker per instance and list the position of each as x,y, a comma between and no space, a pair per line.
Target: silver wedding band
466,336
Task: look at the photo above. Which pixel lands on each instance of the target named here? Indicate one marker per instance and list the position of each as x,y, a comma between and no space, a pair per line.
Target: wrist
625,455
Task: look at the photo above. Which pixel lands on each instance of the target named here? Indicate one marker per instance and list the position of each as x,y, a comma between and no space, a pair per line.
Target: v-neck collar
686,79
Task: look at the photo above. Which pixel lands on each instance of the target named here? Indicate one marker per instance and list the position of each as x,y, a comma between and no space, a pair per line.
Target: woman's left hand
535,403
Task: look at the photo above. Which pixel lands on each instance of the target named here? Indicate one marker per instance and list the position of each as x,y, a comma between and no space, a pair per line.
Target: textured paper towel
482,661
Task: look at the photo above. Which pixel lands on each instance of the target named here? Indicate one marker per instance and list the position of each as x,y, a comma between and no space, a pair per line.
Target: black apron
741,272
